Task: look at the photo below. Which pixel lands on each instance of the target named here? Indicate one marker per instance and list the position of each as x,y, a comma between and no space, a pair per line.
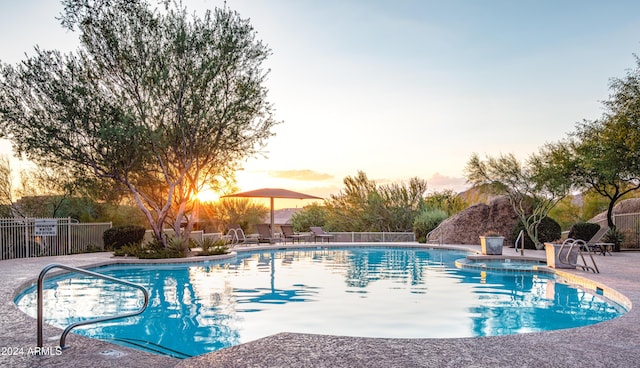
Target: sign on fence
45,228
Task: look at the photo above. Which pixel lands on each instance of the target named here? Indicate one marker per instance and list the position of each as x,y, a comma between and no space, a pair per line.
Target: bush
154,250
614,236
213,247
426,221
583,230
548,231
178,246
312,215
119,236
128,250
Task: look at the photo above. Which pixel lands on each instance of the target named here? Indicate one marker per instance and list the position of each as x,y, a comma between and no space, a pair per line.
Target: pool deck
608,344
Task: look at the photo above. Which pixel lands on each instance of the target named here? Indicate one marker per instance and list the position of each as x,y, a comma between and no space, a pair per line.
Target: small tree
311,215
539,184
606,158
606,152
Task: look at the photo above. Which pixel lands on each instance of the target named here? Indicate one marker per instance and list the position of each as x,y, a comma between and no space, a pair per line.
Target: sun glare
207,195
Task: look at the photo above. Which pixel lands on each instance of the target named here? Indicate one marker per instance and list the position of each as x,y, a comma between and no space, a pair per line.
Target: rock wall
468,225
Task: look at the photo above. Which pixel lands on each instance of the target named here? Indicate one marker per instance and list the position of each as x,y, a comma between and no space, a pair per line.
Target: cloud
302,175
439,182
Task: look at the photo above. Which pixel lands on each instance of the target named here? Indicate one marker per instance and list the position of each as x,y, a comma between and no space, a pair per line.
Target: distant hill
282,216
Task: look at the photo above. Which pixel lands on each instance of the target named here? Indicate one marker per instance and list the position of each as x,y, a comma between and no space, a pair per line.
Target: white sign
45,228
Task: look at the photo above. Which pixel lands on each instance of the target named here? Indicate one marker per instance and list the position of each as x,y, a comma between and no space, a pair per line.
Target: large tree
155,100
363,205
6,188
533,187
606,152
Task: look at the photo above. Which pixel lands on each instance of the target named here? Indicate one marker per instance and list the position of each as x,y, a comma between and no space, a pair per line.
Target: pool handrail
82,323
579,245
520,239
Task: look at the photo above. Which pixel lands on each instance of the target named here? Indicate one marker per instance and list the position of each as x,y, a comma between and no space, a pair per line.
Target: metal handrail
82,323
432,231
520,239
580,246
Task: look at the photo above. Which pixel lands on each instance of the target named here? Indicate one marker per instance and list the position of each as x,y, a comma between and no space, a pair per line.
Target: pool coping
606,344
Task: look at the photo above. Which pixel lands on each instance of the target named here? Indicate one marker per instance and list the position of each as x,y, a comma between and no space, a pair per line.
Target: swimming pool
375,292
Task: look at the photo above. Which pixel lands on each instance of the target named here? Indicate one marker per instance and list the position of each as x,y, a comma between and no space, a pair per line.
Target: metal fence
35,237
372,237
346,237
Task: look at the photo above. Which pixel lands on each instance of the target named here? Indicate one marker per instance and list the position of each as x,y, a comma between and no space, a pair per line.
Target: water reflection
376,292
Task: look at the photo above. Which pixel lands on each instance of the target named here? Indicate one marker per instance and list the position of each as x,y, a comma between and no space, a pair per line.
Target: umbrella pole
271,228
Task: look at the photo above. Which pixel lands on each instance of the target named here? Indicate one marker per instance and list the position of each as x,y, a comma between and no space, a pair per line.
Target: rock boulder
468,225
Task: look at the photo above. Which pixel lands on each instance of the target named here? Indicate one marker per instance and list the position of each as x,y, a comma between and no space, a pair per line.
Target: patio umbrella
271,193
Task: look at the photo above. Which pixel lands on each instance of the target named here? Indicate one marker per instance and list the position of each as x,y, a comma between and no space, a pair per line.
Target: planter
491,245
556,259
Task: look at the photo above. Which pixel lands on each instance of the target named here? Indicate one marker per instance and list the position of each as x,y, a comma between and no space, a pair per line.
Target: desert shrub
155,250
614,236
212,247
178,246
548,230
132,250
119,236
312,215
583,230
426,221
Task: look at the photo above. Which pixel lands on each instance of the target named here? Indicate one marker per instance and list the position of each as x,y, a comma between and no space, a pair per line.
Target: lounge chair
288,233
264,234
319,233
596,246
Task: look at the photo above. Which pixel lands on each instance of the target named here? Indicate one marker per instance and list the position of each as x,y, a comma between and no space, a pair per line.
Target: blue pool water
507,265
201,307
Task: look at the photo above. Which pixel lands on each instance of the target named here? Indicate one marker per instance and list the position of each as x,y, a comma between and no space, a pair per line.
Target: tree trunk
610,213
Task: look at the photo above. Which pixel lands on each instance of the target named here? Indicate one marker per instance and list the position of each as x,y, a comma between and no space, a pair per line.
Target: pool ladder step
564,255
66,331
152,347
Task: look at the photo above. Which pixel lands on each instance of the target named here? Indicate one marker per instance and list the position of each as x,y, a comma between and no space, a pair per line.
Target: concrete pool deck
608,344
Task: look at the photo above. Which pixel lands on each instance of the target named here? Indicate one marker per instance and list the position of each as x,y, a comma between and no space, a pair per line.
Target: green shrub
312,215
119,236
212,247
426,221
132,250
155,250
179,245
583,230
614,236
548,231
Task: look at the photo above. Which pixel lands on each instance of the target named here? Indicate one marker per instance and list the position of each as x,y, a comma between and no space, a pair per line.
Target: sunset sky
402,88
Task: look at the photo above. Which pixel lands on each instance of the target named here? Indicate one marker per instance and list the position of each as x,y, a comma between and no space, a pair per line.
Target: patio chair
319,233
288,233
264,234
596,246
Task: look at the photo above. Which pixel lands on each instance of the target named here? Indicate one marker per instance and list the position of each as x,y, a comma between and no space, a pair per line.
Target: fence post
68,235
26,237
